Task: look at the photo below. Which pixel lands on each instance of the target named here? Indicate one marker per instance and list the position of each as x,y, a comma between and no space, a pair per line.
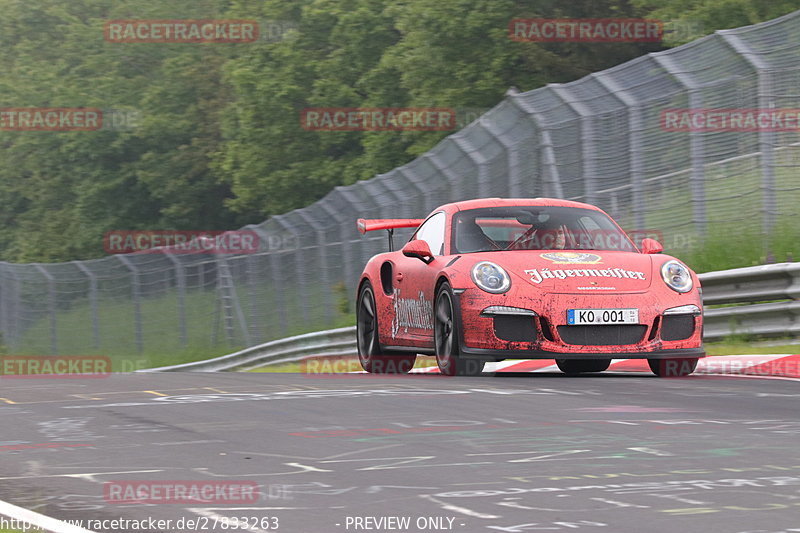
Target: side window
432,232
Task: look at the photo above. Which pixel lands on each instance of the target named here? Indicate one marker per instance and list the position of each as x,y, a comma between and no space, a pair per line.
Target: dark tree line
207,136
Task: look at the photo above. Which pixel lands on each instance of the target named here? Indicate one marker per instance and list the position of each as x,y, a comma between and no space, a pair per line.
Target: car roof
511,202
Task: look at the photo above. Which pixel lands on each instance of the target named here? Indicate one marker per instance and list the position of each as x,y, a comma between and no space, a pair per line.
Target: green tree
60,191
703,17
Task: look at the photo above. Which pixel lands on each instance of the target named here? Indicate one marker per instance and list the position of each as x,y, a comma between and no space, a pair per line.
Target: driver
543,237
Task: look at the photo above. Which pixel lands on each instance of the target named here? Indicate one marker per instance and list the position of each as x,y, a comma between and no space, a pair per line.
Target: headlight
676,276
490,277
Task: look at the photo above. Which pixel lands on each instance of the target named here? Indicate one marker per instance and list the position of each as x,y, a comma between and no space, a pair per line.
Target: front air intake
515,328
677,327
612,335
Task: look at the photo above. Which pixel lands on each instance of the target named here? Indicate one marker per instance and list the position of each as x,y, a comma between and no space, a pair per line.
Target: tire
673,368
446,335
372,358
578,366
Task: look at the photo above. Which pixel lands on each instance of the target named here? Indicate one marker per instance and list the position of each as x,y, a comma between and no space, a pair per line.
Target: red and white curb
750,365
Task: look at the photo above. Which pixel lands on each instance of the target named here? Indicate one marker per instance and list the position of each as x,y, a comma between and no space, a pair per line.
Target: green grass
160,326
735,234
726,247
734,347
116,326
157,358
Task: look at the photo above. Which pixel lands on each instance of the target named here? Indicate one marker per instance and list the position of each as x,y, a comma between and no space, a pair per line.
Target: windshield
536,228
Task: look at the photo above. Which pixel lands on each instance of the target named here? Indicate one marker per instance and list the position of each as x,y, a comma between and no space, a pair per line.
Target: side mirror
419,249
651,246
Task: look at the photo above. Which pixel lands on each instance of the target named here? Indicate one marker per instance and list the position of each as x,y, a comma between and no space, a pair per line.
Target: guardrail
333,342
769,295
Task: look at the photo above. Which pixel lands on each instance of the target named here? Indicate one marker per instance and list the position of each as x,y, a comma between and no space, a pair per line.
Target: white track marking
88,476
463,510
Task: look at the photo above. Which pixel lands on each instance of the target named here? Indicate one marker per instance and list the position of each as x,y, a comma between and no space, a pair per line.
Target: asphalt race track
509,453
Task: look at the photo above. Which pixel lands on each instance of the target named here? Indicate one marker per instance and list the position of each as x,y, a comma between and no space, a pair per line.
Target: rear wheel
673,368
577,366
370,355
445,333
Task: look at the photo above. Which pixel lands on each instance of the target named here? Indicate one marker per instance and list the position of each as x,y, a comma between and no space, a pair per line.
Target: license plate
580,317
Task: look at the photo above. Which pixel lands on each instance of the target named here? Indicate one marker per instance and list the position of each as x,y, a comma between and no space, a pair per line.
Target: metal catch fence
605,139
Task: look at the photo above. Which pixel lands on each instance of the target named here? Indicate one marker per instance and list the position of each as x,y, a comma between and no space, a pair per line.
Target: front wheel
445,333
673,368
372,358
578,366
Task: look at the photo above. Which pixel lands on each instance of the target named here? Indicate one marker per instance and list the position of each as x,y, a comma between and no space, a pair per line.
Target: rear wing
389,224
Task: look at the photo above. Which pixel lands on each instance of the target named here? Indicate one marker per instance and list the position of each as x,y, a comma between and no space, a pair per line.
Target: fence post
4,314
300,265
766,138
92,302
698,182
51,307
549,172
11,304
588,149
512,155
447,172
324,275
137,304
477,159
256,319
635,150
180,279
227,291
254,324
276,286
346,229
279,288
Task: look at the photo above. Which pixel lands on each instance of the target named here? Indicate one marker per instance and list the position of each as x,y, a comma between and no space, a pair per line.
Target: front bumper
480,339
495,355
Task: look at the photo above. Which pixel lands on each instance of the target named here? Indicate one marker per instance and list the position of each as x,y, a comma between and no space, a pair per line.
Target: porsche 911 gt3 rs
494,279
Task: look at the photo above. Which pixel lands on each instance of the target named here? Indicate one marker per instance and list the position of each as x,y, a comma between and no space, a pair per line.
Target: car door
413,283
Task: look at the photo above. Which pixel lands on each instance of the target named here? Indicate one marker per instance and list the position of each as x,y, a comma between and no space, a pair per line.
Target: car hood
579,271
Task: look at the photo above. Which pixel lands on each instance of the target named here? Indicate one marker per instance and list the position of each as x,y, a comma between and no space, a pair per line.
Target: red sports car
493,279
